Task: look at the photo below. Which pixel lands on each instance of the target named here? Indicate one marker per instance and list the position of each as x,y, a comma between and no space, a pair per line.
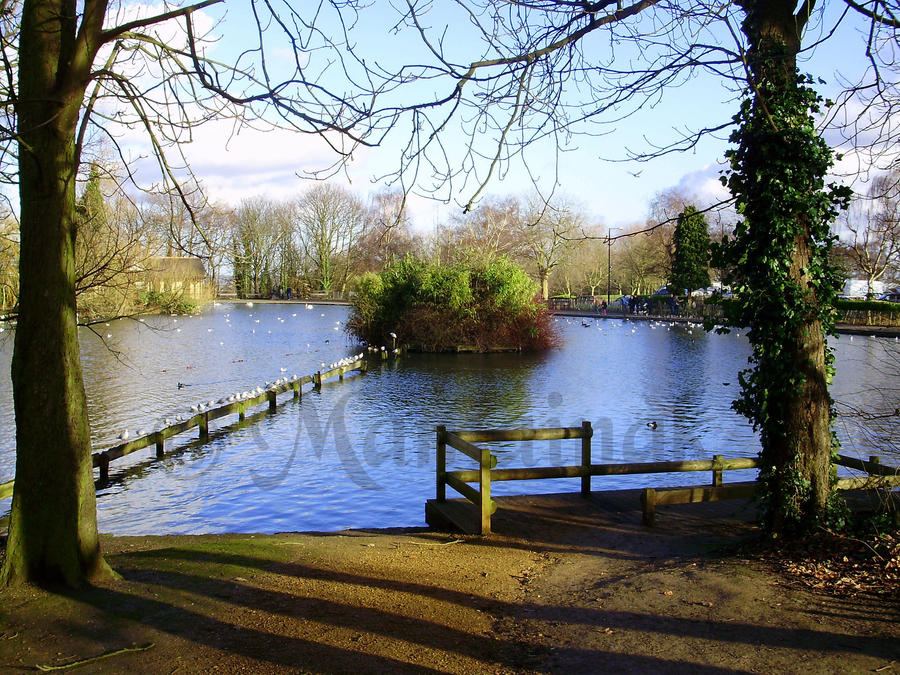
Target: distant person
603,306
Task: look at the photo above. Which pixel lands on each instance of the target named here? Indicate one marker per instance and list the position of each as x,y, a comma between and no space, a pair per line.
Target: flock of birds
588,322
242,395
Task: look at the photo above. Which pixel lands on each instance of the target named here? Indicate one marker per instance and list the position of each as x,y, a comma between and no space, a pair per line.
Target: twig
81,662
428,543
858,541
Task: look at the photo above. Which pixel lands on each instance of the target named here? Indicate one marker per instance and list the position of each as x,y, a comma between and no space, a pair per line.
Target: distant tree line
327,237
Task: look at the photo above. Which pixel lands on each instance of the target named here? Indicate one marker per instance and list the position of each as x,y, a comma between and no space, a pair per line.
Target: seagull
124,435
652,424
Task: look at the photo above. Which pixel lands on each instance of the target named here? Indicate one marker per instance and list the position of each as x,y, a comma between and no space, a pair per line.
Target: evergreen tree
690,266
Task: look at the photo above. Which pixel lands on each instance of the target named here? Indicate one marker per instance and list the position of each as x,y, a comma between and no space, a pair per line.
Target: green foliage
868,306
690,266
438,307
170,303
785,283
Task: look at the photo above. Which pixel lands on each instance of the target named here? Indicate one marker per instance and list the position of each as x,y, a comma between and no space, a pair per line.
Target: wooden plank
648,505
440,465
867,482
526,473
463,446
653,497
673,466
6,489
704,493
587,433
546,472
870,467
463,488
494,435
453,514
484,486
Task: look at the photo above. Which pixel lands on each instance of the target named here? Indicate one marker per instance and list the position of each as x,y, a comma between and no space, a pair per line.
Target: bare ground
565,585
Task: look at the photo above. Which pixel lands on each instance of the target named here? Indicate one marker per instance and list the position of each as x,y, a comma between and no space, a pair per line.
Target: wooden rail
441,511
201,420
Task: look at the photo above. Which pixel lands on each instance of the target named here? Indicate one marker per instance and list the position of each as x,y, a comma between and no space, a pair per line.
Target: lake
360,453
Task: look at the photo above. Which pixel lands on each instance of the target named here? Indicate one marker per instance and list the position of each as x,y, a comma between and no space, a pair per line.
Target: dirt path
565,585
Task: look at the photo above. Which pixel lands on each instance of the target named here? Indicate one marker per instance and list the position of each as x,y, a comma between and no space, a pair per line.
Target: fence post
717,471
273,399
204,425
441,464
587,433
160,445
297,393
103,462
484,485
648,501
317,380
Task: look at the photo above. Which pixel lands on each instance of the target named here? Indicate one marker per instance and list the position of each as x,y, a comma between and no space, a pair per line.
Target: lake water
360,453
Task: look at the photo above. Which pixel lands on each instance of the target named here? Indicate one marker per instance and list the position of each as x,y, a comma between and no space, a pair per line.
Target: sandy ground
565,585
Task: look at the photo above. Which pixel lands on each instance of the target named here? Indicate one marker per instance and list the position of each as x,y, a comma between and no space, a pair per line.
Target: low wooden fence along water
473,514
201,419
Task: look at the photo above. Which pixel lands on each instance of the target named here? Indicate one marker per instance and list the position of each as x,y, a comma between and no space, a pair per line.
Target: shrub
481,305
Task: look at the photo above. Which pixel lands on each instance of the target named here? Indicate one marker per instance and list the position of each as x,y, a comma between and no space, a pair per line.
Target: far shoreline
841,328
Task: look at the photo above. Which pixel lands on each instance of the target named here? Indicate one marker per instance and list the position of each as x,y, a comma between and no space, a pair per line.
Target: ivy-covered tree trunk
53,524
786,284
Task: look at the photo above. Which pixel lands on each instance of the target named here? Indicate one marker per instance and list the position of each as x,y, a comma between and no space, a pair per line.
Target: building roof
177,267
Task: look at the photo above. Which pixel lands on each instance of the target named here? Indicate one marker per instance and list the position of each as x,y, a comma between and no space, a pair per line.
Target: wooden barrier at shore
441,511
201,419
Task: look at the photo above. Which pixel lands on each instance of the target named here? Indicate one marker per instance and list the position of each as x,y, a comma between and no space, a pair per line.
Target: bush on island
467,304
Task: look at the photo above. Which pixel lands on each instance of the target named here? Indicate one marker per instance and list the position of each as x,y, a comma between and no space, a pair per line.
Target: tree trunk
797,445
53,525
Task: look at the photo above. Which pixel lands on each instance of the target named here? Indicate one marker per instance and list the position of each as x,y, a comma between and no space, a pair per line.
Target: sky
234,165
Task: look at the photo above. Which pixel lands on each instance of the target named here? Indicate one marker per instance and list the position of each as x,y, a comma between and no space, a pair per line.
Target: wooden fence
440,510
201,420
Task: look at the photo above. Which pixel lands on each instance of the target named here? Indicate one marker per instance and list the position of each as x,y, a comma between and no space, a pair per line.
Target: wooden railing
201,420
879,476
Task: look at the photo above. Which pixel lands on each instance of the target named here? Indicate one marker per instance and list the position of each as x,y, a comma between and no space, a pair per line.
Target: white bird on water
124,435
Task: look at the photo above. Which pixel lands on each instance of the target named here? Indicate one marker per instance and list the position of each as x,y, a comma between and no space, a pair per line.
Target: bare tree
72,69
874,230
9,263
387,232
329,222
108,251
490,230
546,232
587,262
643,260
257,232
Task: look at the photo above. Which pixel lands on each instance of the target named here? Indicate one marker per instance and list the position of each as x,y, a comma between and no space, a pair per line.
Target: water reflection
360,452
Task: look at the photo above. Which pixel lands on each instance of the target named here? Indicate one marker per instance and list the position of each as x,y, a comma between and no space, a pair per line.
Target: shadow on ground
565,585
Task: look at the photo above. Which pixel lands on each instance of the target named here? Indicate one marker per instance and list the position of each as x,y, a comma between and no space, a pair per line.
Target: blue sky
234,166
